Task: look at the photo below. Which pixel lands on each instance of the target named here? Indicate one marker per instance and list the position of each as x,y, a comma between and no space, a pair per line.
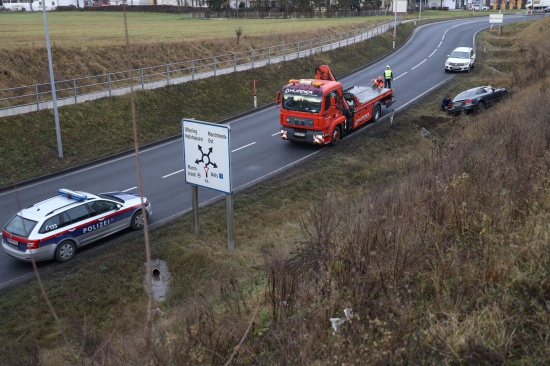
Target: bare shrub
280,282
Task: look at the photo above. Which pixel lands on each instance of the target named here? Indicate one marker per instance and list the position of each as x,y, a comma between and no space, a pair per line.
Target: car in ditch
476,99
56,227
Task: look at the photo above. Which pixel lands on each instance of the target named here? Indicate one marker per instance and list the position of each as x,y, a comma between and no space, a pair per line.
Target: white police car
56,227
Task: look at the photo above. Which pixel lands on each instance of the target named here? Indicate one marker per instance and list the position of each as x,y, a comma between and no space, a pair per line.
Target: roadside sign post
207,163
496,19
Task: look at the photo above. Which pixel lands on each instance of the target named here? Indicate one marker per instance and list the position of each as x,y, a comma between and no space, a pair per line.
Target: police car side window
99,207
53,223
78,213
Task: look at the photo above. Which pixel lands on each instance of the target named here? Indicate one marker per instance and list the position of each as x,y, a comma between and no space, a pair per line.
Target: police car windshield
20,226
111,197
302,103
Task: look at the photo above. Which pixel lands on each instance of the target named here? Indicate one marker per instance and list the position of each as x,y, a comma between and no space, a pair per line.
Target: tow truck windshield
302,103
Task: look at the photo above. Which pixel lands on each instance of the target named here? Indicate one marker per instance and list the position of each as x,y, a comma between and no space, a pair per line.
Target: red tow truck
320,111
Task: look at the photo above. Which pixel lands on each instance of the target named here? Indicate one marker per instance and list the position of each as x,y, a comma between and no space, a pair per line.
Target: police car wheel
65,251
138,221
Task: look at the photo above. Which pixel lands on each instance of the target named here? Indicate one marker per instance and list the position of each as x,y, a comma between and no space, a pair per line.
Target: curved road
257,150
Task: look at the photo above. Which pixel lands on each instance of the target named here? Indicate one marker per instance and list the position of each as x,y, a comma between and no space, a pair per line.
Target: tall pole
394,21
420,12
52,83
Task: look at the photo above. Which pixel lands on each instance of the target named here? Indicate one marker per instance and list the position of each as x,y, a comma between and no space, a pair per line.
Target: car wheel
335,136
480,107
138,220
376,113
446,70
65,251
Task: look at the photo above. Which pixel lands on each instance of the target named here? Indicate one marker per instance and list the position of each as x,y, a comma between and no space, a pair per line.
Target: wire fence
76,90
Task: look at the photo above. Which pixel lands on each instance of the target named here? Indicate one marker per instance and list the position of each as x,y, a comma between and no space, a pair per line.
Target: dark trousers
387,83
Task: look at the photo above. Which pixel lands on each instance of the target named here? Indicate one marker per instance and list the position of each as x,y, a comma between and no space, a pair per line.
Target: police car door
80,226
108,219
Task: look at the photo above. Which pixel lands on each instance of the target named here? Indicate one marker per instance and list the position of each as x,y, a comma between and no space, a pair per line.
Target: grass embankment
439,245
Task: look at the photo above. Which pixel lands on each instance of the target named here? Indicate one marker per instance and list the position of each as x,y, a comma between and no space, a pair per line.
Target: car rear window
465,94
20,226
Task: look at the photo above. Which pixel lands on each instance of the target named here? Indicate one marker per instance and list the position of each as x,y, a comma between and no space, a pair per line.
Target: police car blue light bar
72,194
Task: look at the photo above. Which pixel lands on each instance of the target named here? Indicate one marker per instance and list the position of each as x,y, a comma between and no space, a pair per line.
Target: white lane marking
237,189
250,114
440,43
419,64
403,74
130,155
129,189
431,54
242,147
276,134
168,175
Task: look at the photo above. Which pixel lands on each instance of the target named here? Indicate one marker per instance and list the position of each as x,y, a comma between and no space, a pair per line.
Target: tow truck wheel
335,136
376,113
65,251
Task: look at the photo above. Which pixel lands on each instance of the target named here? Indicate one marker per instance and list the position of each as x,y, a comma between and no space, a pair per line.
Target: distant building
30,5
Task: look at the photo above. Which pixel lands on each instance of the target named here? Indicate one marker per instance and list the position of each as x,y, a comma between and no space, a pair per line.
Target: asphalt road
257,150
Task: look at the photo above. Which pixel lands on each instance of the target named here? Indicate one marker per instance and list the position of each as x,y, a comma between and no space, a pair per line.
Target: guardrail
116,83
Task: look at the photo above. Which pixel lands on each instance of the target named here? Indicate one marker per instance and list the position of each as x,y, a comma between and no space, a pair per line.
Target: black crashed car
476,99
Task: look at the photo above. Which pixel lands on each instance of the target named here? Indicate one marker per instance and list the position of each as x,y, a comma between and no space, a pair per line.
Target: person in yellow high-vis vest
388,77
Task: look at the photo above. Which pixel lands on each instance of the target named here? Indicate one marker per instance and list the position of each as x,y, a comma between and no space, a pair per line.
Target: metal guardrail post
269,55
310,47
167,74
214,65
74,88
142,80
284,52
234,62
252,58
109,80
298,49
37,97
193,70
331,42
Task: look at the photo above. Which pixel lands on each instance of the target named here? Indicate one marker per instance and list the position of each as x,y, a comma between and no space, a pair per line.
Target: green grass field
76,29
73,29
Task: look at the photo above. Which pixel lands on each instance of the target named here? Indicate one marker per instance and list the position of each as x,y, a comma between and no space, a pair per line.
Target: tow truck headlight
318,139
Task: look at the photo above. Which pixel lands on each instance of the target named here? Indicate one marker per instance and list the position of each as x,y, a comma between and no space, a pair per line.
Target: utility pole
394,21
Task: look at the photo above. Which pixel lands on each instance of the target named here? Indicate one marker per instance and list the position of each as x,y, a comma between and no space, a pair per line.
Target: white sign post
496,19
207,162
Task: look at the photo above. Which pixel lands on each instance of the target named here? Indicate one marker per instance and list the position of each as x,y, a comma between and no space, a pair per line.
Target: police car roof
51,205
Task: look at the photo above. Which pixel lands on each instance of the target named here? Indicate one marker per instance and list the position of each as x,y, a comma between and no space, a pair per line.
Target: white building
26,5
